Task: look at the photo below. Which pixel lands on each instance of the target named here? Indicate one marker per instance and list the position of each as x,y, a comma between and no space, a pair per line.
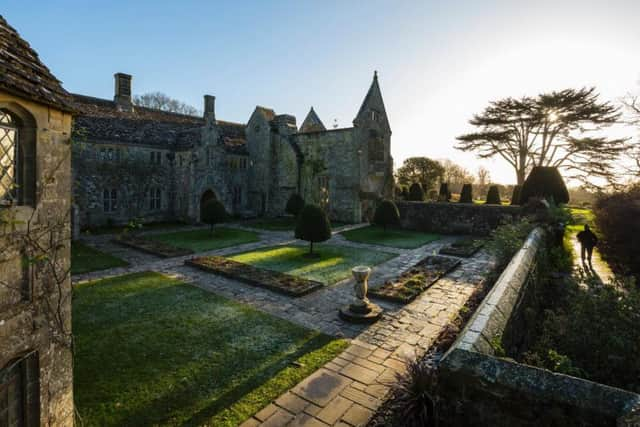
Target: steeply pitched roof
24,75
102,120
312,123
373,100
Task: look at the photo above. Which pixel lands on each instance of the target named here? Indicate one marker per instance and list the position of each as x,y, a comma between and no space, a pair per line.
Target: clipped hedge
313,226
493,195
415,192
294,204
444,195
386,214
544,182
466,195
515,196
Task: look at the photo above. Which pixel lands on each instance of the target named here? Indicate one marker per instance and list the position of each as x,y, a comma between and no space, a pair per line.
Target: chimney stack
122,95
210,108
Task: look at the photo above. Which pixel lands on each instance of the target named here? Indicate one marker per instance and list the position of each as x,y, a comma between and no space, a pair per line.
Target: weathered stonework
32,333
455,218
128,158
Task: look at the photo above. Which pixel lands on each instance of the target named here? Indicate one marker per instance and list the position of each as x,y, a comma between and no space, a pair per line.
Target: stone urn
361,310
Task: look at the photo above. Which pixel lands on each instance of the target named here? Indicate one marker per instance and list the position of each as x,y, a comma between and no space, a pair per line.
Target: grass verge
85,259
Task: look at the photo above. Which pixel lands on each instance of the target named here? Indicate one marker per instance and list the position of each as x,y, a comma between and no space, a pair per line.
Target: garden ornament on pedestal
361,310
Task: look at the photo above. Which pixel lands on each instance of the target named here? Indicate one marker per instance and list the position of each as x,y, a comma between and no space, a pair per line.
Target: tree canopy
556,129
422,170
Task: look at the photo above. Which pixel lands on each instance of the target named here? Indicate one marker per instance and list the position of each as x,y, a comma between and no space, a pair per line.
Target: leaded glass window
8,159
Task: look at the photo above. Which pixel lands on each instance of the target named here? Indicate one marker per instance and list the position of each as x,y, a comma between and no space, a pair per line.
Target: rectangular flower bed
273,280
152,247
463,248
416,280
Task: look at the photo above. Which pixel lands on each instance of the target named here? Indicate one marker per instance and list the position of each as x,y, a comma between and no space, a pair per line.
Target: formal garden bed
261,277
152,350
393,237
464,247
285,223
152,247
330,265
85,259
416,280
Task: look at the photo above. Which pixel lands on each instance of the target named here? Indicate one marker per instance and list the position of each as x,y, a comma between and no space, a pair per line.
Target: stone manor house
135,162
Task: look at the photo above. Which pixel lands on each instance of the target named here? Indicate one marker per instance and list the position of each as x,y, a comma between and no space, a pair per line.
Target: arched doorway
206,196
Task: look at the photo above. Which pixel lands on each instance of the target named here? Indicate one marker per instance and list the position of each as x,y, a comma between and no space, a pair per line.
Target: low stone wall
477,388
455,218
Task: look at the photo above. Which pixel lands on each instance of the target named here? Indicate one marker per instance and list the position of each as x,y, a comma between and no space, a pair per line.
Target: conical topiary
386,214
313,226
444,195
493,195
515,196
466,195
544,182
294,204
415,192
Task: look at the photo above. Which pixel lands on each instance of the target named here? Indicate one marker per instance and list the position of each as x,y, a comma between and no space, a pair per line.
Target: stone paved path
599,267
348,389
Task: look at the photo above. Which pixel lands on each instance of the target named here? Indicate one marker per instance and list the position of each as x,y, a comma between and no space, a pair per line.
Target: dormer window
374,115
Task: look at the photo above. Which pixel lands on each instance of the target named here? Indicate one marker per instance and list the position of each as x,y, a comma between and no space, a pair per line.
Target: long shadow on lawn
181,398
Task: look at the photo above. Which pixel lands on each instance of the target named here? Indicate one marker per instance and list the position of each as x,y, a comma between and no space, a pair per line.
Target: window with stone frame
17,161
323,191
156,157
236,194
110,199
376,146
20,392
155,199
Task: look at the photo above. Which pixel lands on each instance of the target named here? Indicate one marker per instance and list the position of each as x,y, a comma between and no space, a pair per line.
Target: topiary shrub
386,214
313,226
213,212
415,192
466,195
515,196
294,204
444,195
544,182
493,195
405,193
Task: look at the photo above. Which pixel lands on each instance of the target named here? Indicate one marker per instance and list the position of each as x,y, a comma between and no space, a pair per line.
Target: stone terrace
347,390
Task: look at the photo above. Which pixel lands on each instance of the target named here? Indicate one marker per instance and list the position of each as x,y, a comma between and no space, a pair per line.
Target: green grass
151,350
334,263
203,240
85,259
404,239
117,229
279,224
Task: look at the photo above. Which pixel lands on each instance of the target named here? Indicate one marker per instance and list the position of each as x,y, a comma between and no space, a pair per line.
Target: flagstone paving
348,389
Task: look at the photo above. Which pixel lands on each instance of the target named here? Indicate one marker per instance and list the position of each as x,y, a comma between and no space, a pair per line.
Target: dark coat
587,238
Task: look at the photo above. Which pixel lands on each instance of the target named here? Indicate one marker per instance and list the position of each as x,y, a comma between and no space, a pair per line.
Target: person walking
588,241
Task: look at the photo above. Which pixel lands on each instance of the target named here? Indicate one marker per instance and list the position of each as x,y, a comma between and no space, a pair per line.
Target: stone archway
206,196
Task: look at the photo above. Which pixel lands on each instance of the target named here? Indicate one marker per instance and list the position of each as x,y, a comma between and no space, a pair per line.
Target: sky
439,62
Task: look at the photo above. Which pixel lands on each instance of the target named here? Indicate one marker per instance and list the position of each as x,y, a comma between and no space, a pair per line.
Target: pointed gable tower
312,123
372,112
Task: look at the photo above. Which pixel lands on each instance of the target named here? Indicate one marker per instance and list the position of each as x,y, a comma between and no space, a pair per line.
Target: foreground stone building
135,162
35,199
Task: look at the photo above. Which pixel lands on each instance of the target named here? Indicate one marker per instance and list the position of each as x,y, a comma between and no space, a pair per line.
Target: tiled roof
23,74
102,120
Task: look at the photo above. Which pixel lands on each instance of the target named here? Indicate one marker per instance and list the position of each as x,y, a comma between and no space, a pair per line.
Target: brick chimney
210,108
122,95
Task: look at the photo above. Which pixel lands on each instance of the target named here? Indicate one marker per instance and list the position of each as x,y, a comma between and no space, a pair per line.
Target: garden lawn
85,259
151,350
334,264
203,240
279,224
396,238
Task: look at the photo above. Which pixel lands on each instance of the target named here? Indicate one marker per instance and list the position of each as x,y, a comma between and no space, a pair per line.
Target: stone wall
477,388
455,218
28,291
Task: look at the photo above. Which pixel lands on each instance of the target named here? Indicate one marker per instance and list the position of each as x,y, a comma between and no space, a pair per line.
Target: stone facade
134,162
36,386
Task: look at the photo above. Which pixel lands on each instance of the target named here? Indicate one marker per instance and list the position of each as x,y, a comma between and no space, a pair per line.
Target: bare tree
455,175
161,101
631,103
484,178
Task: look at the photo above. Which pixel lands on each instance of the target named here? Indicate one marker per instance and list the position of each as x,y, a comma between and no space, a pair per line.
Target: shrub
386,214
493,195
414,393
466,195
444,195
213,212
515,196
432,195
294,204
544,182
313,226
415,192
616,218
405,193
507,239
